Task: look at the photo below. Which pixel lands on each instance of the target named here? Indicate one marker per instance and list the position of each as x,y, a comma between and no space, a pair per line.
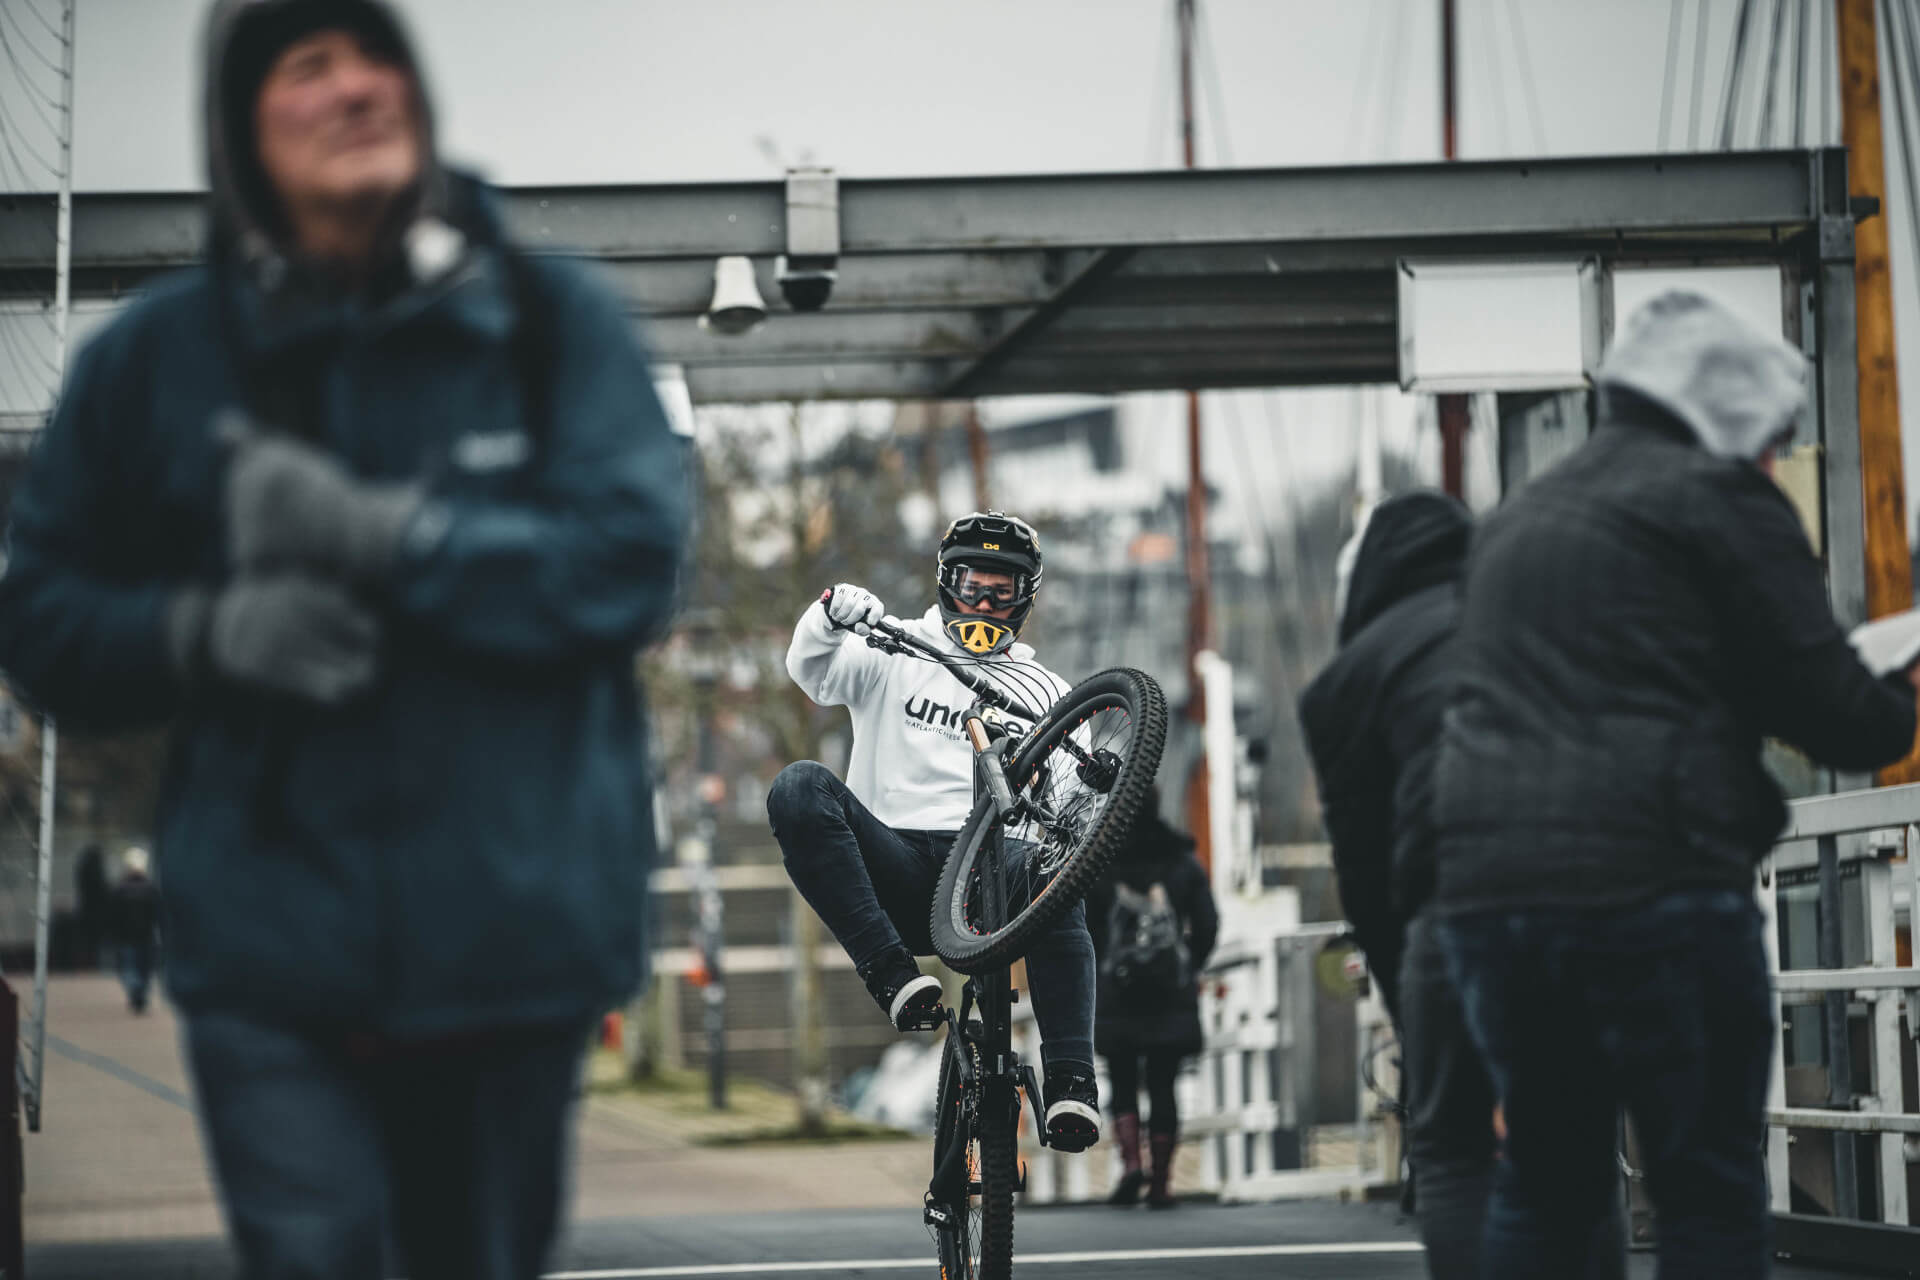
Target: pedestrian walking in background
1154,923
1635,622
92,898
376,507
134,918
1372,725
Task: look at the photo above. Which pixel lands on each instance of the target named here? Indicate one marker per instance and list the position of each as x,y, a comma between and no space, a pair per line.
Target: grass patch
838,1129
757,1113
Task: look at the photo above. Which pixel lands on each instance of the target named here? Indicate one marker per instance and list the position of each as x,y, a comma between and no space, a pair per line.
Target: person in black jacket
93,897
134,910
1372,725
1153,922
1635,622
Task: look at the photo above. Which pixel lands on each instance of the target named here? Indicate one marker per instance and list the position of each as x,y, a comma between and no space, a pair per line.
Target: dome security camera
806,283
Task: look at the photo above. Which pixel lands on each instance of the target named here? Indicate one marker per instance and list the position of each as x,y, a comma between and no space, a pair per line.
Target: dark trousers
135,963
323,1154
1450,1124
873,885
1162,1069
1661,1007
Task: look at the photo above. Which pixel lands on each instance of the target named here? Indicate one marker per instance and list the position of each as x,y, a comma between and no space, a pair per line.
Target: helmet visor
979,584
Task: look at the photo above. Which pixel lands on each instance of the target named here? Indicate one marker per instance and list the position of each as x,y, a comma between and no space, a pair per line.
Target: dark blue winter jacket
464,848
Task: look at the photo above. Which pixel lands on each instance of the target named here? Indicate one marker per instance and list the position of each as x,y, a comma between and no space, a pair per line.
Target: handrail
1851,812
1823,832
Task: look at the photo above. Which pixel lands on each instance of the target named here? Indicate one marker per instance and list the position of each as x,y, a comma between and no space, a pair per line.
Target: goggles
974,586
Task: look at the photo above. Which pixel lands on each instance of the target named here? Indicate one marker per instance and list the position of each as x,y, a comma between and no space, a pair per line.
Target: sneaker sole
1072,1126
915,1004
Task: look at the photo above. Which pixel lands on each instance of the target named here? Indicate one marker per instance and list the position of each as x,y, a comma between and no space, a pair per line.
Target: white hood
1737,389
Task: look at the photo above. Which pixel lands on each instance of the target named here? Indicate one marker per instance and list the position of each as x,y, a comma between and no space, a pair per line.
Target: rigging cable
1698,89
1737,59
1667,79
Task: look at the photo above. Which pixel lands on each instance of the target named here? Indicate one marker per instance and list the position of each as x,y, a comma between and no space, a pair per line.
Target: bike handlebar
886,635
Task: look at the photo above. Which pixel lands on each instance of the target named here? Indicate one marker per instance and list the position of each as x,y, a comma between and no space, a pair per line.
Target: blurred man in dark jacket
376,507
1372,723
135,912
1154,925
93,906
1635,622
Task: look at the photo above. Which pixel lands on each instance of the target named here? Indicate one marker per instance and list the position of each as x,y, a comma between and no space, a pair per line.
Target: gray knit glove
286,633
288,505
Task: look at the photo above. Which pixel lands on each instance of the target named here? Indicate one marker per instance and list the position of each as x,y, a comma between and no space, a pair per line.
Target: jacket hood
1735,389
243,37
1406,544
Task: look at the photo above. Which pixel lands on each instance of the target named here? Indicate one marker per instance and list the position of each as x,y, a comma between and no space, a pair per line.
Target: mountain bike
1056,791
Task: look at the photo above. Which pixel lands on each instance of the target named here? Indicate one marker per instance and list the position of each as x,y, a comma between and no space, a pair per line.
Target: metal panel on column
1839,392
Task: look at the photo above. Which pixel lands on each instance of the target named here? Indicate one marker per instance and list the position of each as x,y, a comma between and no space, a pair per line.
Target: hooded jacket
1154,854
1636,622
911,764
463,848
1372,717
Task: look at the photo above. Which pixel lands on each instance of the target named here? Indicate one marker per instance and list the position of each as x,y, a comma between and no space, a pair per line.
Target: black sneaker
1073,1107
909,998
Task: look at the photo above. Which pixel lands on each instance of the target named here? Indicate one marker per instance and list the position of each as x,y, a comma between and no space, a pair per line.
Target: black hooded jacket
1636,622
1372,718
1131,1023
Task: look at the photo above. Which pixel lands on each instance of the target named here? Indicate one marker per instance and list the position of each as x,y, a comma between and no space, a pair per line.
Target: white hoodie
911,764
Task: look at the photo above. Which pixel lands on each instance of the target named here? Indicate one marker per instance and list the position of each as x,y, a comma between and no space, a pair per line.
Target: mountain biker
867,853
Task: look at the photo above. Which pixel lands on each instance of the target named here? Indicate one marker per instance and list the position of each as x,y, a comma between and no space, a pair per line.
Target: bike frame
1002,1075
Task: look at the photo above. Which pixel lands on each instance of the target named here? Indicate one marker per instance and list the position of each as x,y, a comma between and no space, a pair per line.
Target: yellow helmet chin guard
978,635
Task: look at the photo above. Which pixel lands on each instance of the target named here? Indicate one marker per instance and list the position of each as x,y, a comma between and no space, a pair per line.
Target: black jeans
873,886
1450,1124
456,1153
1163,1069
1663,1007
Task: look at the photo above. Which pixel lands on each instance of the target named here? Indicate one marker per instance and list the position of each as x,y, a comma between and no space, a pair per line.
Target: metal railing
1854,859
1256,1100
1251,1101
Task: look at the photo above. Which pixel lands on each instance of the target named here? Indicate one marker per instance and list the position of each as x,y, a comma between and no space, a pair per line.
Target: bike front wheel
1078,781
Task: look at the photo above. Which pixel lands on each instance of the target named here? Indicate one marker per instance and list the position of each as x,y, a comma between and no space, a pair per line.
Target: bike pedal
937,1215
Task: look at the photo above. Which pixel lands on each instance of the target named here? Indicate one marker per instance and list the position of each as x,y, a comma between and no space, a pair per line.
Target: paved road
1308,1241
117,1190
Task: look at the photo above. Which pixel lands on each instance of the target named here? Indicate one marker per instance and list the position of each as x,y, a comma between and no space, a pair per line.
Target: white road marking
1346,1249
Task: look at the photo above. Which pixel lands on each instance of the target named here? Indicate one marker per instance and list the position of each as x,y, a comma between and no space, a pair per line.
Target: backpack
1146,947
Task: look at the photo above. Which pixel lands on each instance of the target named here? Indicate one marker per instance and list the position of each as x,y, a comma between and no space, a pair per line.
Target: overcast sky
582,91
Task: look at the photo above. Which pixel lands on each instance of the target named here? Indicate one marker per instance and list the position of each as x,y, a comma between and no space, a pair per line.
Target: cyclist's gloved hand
851,608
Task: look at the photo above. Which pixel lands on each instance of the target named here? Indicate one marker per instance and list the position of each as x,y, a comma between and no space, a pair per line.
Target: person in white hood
1636,623
866,853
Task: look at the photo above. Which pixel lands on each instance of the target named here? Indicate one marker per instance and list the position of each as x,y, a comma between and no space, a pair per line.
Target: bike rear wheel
1070,819
977,1242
